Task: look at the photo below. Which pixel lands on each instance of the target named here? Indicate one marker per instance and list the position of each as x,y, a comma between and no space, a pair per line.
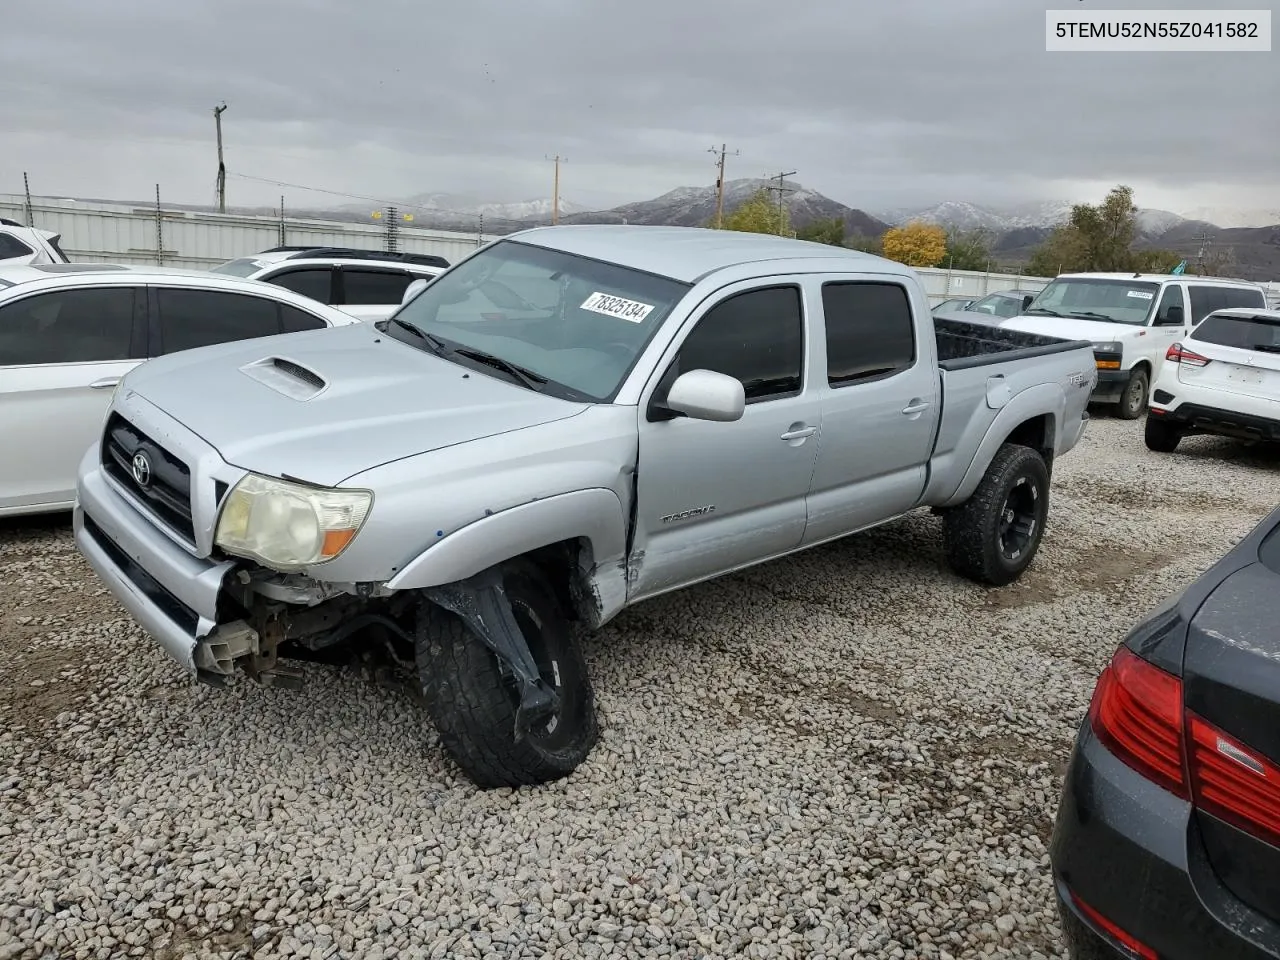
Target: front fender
1045,399
594,515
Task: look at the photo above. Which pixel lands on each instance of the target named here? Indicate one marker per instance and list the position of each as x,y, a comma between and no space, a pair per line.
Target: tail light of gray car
1177,353
1137,712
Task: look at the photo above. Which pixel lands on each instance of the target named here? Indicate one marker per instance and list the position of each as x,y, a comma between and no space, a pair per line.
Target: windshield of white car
242,267
563,324
998,305
1243,333
1097,298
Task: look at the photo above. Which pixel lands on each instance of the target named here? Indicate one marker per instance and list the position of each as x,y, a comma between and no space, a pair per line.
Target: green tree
758,214
863,244
1096,238
1155,261
824,231
967,250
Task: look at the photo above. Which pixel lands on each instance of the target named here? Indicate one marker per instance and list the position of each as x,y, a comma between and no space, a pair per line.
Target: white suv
368,284
1223,378
23,246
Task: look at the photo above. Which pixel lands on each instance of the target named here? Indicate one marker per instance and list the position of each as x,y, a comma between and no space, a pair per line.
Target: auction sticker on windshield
1141,294
611,306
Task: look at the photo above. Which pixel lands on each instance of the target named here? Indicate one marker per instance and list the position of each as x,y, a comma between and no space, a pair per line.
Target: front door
61,355
712,497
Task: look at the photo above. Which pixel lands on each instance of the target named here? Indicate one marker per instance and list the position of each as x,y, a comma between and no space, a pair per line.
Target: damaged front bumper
172,594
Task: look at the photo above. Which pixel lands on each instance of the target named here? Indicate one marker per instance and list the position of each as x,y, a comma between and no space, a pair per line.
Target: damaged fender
595,515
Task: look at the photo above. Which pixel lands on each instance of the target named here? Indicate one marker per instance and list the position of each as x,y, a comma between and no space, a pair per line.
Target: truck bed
962,345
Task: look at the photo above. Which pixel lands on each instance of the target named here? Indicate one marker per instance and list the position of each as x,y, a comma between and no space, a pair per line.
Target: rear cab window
869,329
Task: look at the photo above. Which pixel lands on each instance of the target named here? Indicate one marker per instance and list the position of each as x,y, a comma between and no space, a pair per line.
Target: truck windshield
578,324
1097,298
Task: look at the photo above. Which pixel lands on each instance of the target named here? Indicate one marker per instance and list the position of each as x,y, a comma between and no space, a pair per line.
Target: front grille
165,489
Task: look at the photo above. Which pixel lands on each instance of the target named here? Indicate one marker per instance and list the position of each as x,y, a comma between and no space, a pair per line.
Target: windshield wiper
534,381
1089,315
1045,310
435,344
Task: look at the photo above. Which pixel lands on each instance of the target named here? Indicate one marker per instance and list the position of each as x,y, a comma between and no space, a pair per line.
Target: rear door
1244,358
879,392
61,354
371,293
317,282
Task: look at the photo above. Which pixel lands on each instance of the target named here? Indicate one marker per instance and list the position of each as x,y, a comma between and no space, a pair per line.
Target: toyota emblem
141,469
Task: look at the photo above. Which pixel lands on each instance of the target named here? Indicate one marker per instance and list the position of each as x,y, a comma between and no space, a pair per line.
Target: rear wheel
1134,399
1161,435
993,536
472,696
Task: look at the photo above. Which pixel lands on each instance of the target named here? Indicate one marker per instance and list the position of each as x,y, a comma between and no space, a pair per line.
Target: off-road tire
1134,399
1161,435
972,531
473,705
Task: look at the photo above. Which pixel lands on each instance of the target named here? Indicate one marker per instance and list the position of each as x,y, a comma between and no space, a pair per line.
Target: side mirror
707,395
412,290
1172,318
1026,300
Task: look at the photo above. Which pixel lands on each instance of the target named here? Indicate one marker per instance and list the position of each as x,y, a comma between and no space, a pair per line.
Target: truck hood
345,400
1070,328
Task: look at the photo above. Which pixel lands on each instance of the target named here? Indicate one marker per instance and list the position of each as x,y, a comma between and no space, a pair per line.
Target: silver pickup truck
569,421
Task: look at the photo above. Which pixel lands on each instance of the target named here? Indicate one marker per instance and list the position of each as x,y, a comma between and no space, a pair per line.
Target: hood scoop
286,377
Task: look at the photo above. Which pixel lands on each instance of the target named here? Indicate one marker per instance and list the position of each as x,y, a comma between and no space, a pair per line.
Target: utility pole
555,189
782,192
222,167
720,184
1204,242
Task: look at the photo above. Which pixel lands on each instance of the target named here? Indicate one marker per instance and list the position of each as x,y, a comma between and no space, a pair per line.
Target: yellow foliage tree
916,244
759,214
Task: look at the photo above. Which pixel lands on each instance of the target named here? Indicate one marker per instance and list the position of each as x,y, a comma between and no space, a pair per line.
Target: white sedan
1222,378
70,331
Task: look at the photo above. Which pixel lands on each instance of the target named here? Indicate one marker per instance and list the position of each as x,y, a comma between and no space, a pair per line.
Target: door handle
104,383
799,433
916,406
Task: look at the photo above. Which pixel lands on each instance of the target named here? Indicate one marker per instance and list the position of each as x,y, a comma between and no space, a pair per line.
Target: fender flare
594,515
1042,400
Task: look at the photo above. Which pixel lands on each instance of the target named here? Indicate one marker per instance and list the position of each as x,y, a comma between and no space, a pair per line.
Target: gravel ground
849,753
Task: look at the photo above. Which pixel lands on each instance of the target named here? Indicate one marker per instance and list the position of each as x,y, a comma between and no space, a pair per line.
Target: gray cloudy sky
873,102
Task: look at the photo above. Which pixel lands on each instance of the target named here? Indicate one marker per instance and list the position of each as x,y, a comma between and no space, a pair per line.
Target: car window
757,337
998,305
1244,333
1172,297
1204,300
313,282
1243,297
199,318
870,333
11,246
292,320
373,287
69,326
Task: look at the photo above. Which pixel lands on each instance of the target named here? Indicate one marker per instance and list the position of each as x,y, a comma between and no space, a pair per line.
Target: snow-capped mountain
466,205
1230,217
969,216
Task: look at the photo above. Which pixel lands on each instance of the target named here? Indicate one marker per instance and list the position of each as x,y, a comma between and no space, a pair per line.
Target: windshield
578,323
998,305
243,267
1095,298
1244,333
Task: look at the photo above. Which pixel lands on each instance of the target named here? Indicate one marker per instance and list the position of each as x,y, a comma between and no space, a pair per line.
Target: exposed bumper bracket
481,601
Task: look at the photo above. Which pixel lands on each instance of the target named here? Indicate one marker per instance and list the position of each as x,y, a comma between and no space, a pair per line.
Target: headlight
1107,356
289,525
1114,346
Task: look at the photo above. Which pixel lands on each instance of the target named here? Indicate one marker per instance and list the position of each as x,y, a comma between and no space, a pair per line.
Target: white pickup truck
1132,320
568,422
